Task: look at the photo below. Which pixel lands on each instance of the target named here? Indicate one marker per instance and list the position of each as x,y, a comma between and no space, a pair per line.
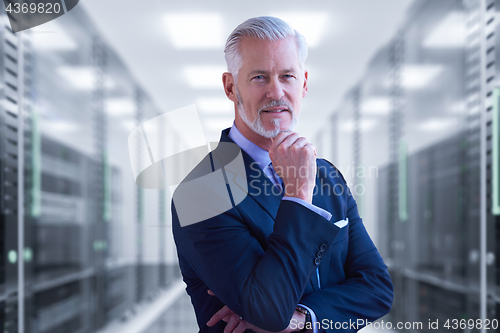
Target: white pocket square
342,223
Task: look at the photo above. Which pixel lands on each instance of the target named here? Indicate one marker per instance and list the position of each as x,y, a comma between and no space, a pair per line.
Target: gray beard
257,125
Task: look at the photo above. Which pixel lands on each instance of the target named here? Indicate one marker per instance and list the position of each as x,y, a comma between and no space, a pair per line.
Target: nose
275,89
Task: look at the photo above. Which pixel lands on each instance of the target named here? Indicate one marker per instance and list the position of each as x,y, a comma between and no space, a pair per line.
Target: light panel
204,77
311,25
51,36
449,33
81,78
376,106
129,125
218,124
419,76
195,30
436,124
215,105
60,126
120,107
365,125
457,108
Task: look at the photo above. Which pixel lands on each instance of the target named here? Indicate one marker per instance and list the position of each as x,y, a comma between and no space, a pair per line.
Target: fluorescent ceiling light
120,107
376,106
457,108
365,125
436,124
81,78
449,33
419,76
52,37
215,105
195,31
60,126
129,125
218,124
204,76
311,25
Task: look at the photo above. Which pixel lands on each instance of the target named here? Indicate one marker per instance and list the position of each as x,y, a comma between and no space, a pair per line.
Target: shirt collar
258,154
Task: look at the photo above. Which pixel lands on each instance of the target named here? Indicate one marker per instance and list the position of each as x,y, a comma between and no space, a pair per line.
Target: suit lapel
259,187
320,197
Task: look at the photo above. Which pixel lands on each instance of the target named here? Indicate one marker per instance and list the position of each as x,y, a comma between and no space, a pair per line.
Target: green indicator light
12,256
99,245
36,149
28,254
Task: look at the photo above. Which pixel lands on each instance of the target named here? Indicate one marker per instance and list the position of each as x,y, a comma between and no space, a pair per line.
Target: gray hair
265,28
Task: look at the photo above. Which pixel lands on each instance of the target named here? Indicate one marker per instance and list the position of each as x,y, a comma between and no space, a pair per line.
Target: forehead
257,53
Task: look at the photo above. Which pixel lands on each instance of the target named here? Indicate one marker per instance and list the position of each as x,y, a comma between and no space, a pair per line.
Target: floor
179,318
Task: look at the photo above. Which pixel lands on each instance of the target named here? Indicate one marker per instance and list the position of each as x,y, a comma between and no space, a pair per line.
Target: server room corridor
403,98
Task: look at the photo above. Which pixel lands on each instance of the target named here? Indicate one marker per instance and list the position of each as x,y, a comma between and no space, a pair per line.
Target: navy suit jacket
260,257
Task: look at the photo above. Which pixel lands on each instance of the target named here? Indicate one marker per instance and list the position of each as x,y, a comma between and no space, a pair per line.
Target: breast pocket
343,225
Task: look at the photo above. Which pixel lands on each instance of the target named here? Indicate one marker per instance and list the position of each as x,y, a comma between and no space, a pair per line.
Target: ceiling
350,32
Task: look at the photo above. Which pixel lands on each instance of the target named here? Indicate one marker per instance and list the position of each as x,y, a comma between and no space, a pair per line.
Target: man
291,254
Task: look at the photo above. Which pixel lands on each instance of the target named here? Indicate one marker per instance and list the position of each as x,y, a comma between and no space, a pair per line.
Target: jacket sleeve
263,287
367,292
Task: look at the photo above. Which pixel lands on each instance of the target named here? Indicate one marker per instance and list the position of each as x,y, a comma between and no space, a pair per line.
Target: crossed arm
366,293
236,324
264,287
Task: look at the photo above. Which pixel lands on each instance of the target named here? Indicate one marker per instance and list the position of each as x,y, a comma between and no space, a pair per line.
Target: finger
280,137
242,327
226,318
210,292
288,141
300,142
312,148
225,311
232,323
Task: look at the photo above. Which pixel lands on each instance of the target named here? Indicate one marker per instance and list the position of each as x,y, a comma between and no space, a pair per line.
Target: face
270,86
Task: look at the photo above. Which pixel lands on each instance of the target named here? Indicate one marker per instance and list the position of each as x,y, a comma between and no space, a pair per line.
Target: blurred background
403,99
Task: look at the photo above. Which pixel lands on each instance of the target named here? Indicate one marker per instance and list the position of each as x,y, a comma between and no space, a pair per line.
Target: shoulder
203,193
326,170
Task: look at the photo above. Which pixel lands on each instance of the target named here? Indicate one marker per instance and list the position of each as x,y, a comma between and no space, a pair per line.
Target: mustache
276,102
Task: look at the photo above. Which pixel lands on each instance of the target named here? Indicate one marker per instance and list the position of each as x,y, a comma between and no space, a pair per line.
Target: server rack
437,99
81,269
16,73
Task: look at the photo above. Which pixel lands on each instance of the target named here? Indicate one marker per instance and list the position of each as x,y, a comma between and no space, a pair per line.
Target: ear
228,82
304,88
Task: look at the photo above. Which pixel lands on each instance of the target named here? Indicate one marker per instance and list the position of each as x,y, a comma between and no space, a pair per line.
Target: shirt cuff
314,319
312,207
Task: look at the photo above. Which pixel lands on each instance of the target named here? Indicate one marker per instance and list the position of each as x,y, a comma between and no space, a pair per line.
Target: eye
258,77
288,76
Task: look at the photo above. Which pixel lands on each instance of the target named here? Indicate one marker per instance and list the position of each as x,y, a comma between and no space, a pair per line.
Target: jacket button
320,254
323,247
317,261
